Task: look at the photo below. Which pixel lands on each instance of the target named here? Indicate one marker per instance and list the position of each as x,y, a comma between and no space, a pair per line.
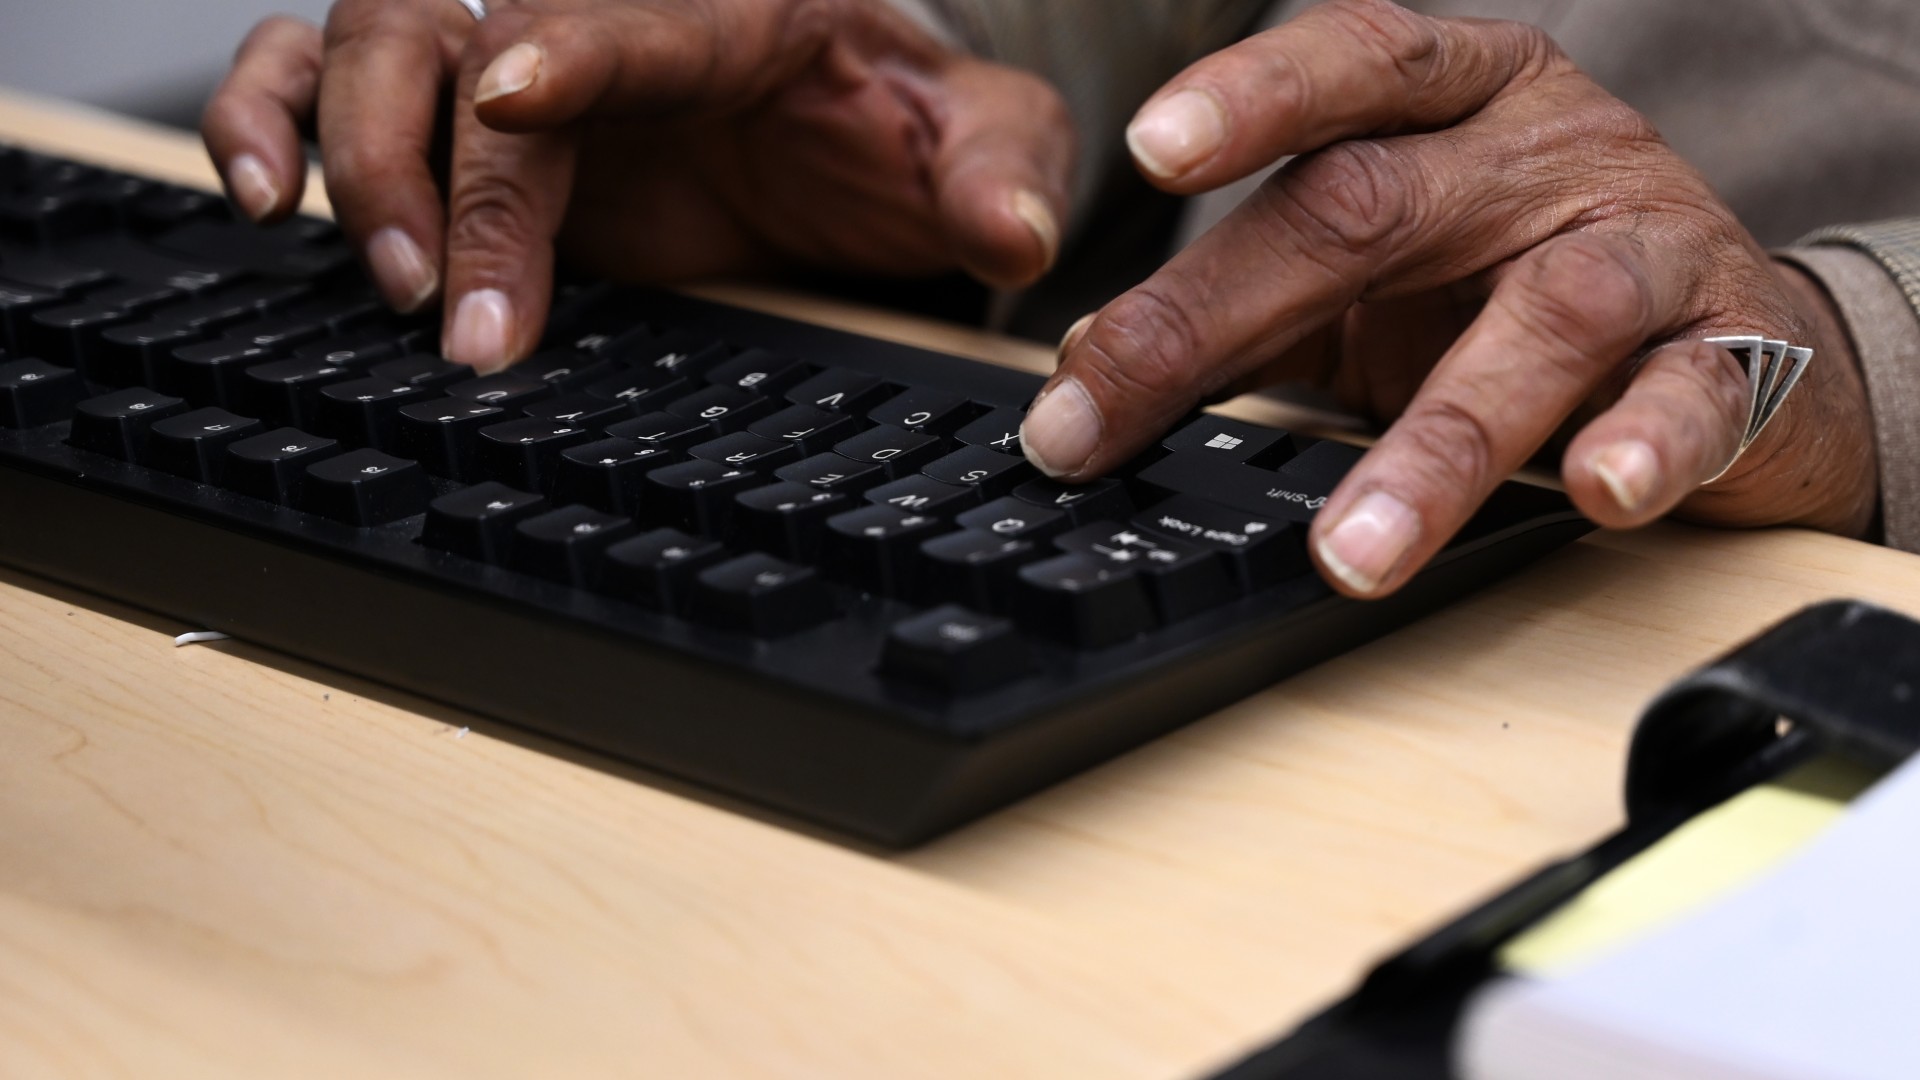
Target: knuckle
1454,451
1354,196
1146,342
490,213
274,33
1581,292
1410,42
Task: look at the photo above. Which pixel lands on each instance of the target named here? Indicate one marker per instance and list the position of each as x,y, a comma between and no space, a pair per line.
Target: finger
1358,220
1343,69
548,69
507,195
386,65
1002,171
1565,317
1675,428
253,121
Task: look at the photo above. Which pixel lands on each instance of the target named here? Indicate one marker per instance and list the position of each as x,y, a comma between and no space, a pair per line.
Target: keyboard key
745,450
663,430
525,453
425,370
566,370
1224,439
1243,487
641,388
833,473
54,275
358,350
678,354
1096,500
874,547
478,522
785,519
608,474
34,392
956,650
134,353
364,412
1081,602
760,371
998,431
210,373
657,569
274,466
921,408
70,335
992,474
510,389
284,391
761,596
899,452
1261,551
280,333
1183,579
972,568
925,495
566,544
18,303
116,424
192,445
582,410
1012,519
840,390
814,431
695,495
1320,467
365,488
725,408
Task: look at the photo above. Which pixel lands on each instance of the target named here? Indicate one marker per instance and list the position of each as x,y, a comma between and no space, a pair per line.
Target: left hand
1480,242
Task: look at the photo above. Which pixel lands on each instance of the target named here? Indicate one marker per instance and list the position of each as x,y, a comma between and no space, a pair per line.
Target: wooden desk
221,861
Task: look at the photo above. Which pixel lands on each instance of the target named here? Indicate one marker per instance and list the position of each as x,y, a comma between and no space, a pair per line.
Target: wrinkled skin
1480,245
650,140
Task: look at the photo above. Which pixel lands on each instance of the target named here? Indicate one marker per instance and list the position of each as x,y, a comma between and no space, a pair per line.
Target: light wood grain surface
220,861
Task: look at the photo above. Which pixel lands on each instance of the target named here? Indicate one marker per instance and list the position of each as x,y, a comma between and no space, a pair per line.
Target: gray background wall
151,58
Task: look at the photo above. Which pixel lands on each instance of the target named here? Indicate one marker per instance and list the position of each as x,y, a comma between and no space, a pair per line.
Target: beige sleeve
1873,275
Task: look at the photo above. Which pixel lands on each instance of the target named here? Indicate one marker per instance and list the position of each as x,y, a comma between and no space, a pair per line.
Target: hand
654,139
1480,242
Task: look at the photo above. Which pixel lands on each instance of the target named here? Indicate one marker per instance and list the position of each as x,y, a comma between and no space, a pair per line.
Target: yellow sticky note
1715,852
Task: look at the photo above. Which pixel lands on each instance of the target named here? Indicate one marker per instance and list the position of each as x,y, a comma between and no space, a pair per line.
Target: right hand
649,139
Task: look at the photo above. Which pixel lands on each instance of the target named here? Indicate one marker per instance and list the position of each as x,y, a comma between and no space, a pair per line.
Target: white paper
1812,972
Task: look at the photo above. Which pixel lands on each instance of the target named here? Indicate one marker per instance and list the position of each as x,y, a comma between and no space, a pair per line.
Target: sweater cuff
1882,321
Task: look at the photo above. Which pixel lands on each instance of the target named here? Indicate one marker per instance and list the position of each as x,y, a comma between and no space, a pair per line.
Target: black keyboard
800,566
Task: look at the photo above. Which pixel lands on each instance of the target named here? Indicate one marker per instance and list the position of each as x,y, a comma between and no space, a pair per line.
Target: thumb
1002,171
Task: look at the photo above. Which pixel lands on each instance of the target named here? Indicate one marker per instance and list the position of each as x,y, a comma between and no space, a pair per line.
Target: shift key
1287,497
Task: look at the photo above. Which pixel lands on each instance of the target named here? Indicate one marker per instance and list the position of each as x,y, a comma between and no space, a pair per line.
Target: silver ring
475,8
1773,370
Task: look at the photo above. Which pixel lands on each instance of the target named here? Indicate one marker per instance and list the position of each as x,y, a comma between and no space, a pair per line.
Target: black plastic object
1839,678
736,514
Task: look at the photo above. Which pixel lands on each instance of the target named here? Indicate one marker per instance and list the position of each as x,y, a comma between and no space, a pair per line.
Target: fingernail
1367,545
1033,210
1630,469
1170,137
252,186
402,269
482,325
511,72
1062,430
1075,332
